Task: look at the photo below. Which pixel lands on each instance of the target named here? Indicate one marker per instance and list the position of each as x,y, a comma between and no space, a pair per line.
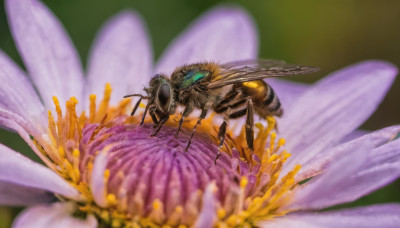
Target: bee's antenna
136,95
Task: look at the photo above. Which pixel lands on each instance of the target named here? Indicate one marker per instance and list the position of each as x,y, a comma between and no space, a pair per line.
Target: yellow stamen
92,108
61,152
76,155
71,124
52,125
59,115
82,119
111,199
281,142
243,182
106,173
116,223
157,204
273,158
271,122
272,142
221,213
105,216
157,213
176,216
90,166
101,113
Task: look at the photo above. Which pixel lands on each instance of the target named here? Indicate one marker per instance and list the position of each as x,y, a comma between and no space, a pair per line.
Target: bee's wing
250,70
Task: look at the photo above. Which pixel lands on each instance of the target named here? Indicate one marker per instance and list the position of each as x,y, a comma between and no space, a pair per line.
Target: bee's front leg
136,106
154,118
144,113
160,124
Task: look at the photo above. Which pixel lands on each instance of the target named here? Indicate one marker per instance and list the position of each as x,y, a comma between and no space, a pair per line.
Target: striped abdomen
265,101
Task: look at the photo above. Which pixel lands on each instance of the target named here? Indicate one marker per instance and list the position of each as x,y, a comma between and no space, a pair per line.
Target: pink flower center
150,181
146,169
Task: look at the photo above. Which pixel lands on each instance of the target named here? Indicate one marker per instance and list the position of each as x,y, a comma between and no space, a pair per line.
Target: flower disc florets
129,178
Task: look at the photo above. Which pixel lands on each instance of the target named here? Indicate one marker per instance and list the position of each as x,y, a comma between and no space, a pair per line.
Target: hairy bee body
187,83
233,90
227,98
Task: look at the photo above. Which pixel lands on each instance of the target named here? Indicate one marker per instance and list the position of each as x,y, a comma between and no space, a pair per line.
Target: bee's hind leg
221,138
249,126
202,116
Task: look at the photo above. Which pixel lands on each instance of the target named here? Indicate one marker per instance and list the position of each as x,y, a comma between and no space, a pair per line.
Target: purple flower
103,169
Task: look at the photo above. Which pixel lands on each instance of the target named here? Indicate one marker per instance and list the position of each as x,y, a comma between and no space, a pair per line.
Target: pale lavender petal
18,95
287,91
381,168
385,215
287,222
208,213
17,195
18,169
121,56
55,215
313,165
355,174
46,49
386,154
97,183
353,135
7,116
334,107
223,34
330,187
25,129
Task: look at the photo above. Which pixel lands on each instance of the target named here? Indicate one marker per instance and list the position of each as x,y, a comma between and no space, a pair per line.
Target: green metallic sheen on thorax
192,77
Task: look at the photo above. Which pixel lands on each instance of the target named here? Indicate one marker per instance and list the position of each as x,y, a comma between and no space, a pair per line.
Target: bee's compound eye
163,96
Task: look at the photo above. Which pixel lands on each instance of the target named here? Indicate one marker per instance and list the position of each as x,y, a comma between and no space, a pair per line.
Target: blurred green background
327,34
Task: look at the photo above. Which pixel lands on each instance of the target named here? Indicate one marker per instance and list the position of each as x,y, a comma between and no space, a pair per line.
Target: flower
103,169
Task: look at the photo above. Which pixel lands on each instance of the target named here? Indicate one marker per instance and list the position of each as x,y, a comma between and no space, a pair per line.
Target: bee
232,90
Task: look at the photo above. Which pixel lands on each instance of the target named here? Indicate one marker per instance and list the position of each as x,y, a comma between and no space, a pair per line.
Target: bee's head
162,94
